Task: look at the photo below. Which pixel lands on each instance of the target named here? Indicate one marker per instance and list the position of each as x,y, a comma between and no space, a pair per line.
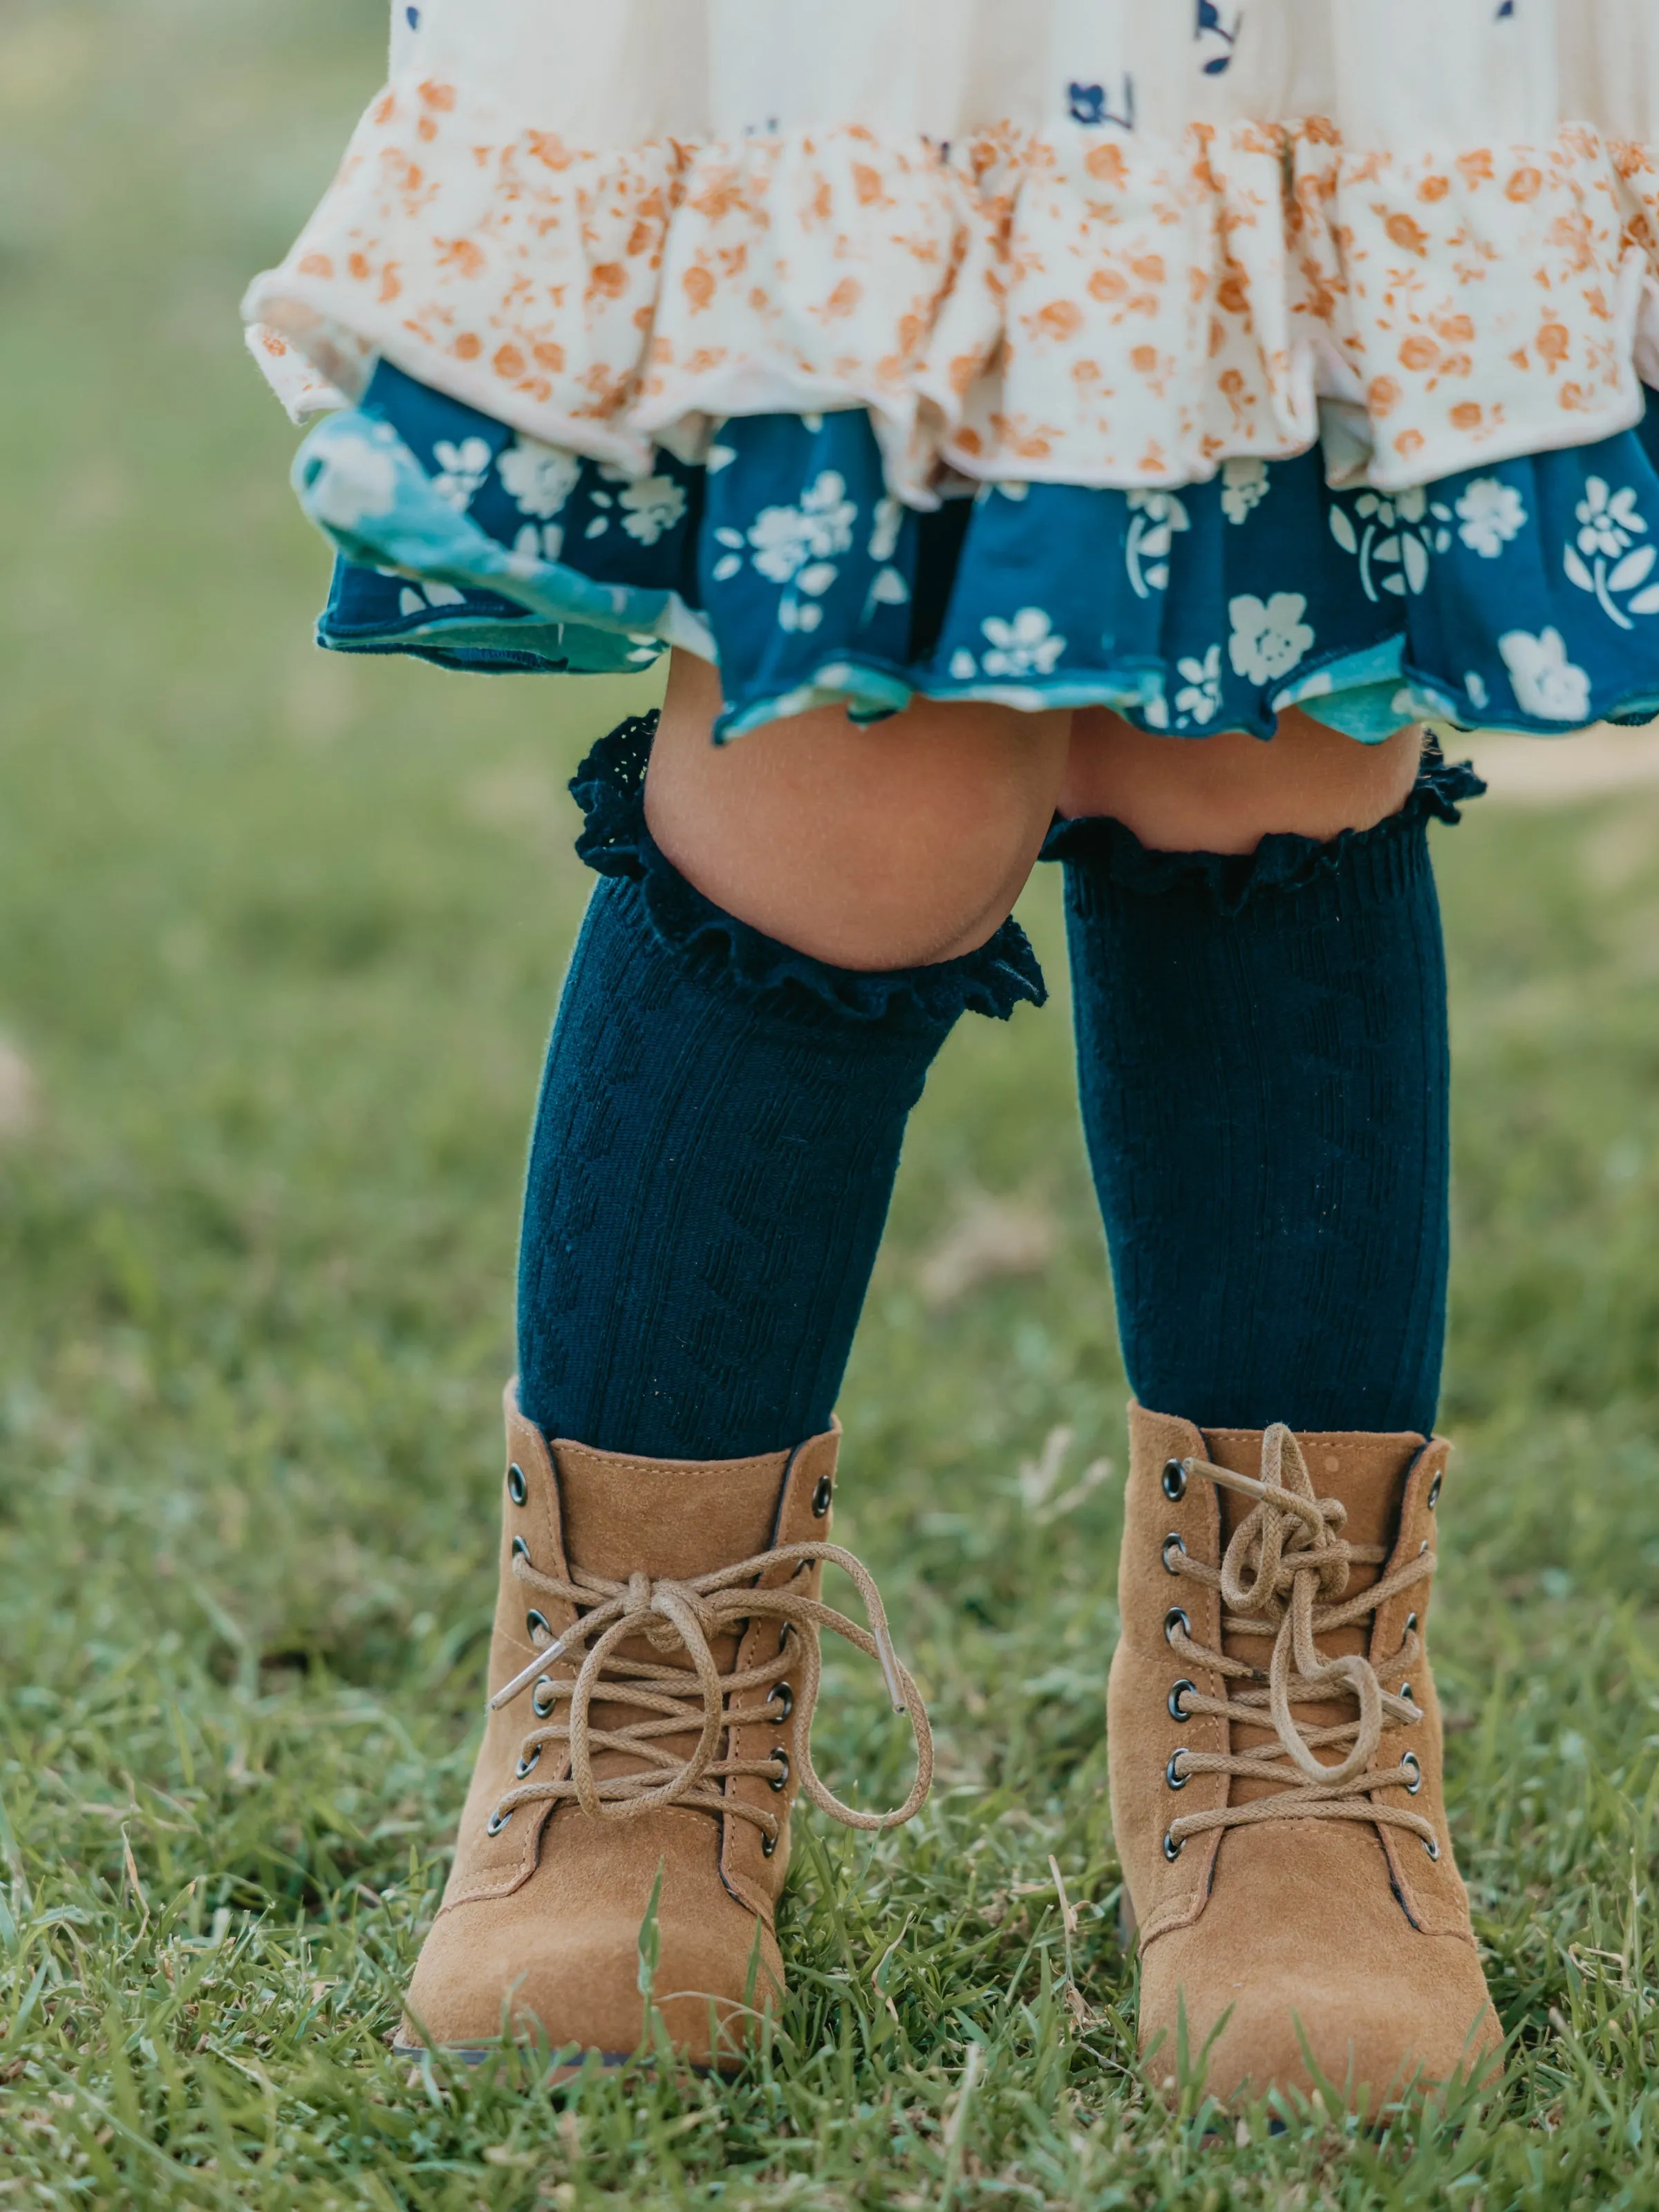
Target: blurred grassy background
280,939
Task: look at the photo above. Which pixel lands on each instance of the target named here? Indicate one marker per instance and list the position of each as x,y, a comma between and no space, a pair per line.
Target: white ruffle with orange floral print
1119,274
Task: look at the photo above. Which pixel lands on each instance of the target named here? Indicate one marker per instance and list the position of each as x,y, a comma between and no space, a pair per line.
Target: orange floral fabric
1068,305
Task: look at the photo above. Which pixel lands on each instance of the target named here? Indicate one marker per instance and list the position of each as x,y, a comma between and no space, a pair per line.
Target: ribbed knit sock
714,1154
1263,1067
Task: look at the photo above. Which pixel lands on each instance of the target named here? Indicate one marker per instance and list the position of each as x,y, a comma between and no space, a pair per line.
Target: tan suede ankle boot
653,1678
1275,1752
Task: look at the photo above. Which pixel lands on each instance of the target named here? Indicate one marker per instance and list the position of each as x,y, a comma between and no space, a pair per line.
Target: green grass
279,941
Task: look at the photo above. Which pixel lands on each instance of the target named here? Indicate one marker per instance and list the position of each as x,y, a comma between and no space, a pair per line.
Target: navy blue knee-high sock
1264,1074
714,1153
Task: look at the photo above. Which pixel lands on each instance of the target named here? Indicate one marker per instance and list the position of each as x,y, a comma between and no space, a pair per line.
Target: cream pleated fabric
1101,242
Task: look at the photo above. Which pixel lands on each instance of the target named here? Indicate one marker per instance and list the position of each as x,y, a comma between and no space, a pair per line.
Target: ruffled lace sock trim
610,788
1377,859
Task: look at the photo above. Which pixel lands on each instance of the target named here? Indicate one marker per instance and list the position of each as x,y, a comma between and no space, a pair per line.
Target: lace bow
1284,1575
688,1617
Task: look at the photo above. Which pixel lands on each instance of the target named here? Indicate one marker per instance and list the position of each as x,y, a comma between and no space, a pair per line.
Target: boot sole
473,2054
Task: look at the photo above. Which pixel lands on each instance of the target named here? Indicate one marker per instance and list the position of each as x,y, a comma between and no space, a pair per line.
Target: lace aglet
889,1660
546,1657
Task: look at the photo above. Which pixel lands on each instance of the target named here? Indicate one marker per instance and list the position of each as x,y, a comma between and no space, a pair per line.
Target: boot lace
687,1617
1284,1576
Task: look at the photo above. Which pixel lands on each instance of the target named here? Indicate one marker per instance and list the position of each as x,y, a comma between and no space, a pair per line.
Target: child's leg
765,978
750,1017
1262,1057
1264,1074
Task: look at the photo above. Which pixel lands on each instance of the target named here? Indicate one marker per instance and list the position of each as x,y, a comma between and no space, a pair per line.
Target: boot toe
1369,2032
572,1981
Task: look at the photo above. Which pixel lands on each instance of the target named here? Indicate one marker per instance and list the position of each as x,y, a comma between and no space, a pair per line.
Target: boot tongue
671,1520
1367,1475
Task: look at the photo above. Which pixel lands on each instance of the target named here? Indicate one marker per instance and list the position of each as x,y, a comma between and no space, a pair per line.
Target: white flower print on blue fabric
1606,560
887,524
889,588
1269,636
539,479
1492,514
1200,700
1156,516
786,539
419,599
1475,684
653,505
1027,646
461,471
1245,483
355,481
535,544
1546,684
1395,537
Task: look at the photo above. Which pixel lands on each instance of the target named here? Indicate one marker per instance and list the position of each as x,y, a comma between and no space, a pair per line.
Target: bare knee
898,846
1225,794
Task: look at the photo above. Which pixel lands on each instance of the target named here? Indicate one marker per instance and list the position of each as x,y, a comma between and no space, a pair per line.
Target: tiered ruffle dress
1196,358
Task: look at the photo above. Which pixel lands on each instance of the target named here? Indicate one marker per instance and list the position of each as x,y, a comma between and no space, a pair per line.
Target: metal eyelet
822,1496
780,1782
769,1845
1174,1619
1176,1781
784,1698
517,1488
1172,1850
1406,1692
1178,1709
1175,1481
498,1820
784,1635
1410,1760
1434,1491
533,1620
527,1766
1411,1623
520,1549
1172,1541
1433,1850
541,1699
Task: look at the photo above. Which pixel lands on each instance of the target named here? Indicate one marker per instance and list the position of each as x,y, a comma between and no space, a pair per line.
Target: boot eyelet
527,1766
517,1488
534,1622
1434,1491
1172,1543
822,1496
780,1782
1411,1623
784,1635
1176,1781
521,1550
1175,1481
541,1699
1177,1696
784,1698
1406,1692
1433,1850
1174,1619
768,1845
1410,1760
498,1820
1172,1850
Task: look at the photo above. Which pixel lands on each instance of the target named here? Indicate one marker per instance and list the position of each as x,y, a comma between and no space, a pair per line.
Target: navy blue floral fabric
1524,595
